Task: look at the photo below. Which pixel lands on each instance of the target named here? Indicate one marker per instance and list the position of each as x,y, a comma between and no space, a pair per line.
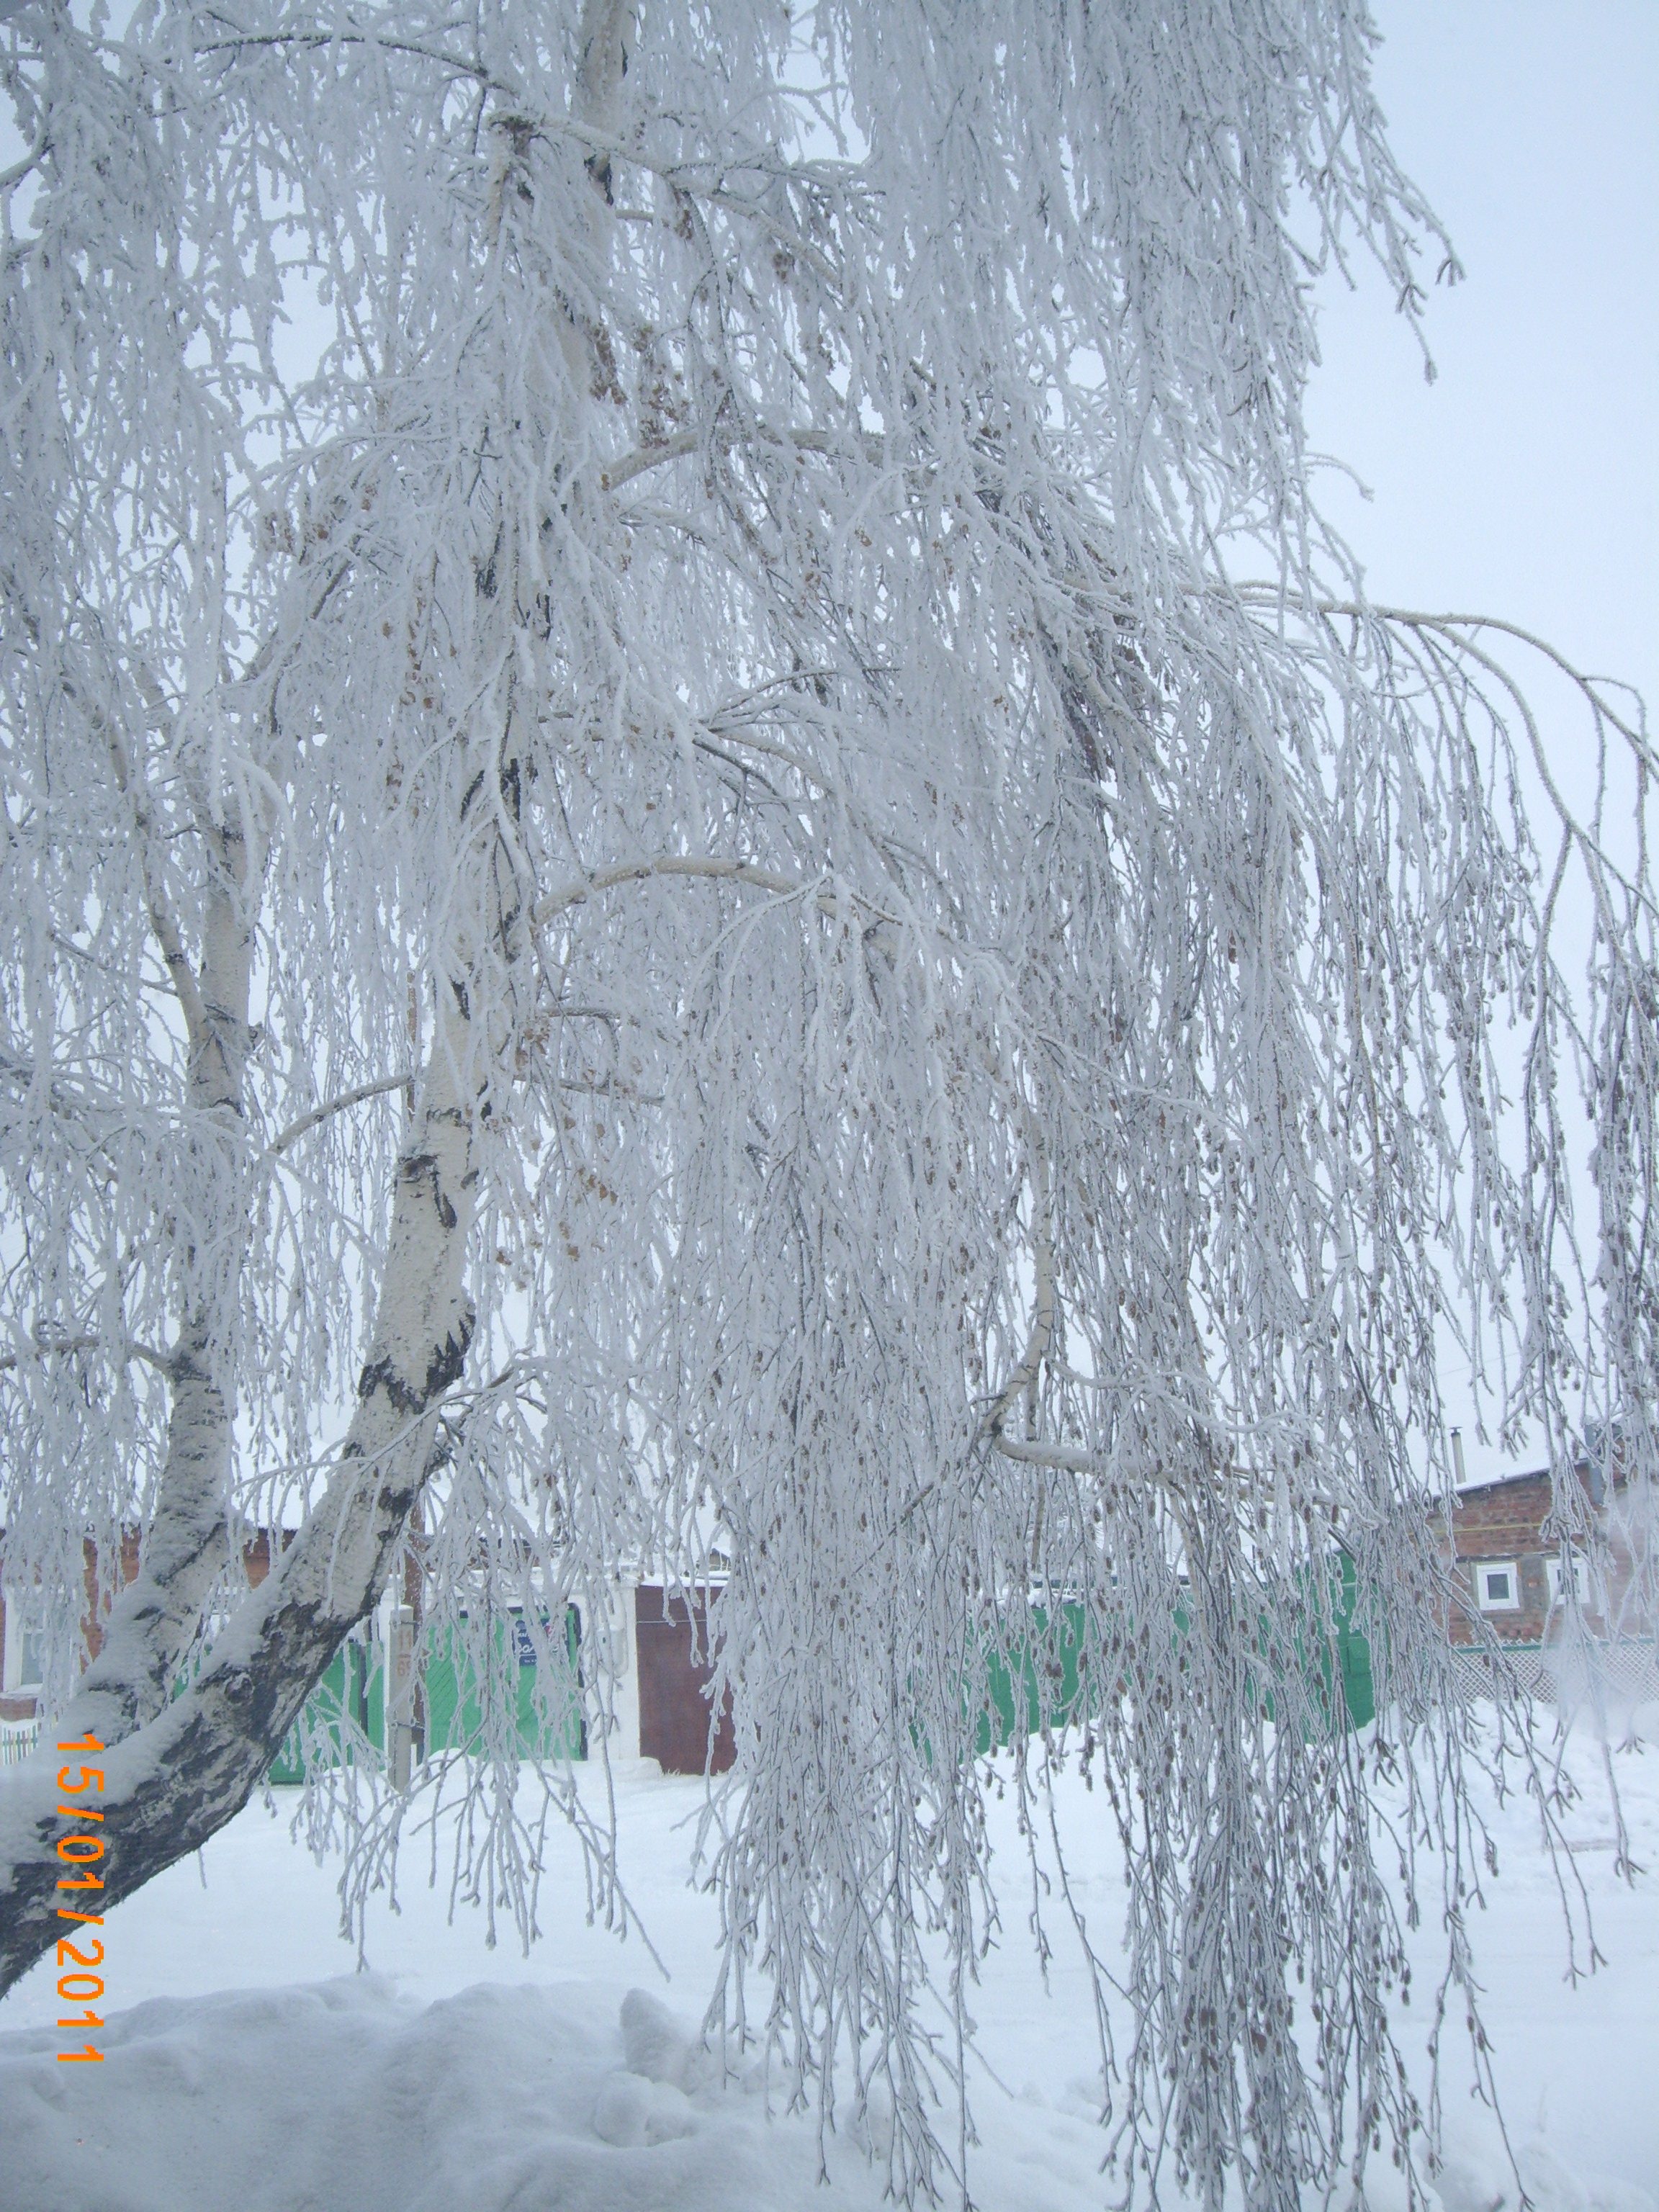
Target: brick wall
256,1560
1502,1523
92,1621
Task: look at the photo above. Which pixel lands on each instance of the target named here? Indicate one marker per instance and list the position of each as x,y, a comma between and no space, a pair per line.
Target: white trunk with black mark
983,1035
155,1618
173,1781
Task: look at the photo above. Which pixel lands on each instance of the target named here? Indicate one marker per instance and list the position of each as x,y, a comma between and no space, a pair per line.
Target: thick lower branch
174,1781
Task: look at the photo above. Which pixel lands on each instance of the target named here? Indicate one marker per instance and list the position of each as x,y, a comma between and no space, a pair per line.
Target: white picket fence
17,1740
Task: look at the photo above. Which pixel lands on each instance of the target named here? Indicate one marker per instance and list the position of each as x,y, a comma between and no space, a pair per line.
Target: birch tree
706,855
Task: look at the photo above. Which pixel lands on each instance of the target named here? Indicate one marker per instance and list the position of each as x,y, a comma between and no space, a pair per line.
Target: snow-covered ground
249,2066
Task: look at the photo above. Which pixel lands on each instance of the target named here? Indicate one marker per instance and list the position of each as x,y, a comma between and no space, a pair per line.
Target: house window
1498,1586
1559,1581
20,1663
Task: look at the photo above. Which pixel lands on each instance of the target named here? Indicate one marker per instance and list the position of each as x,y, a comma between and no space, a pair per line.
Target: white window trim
1479,1568
1581,1579
18,1631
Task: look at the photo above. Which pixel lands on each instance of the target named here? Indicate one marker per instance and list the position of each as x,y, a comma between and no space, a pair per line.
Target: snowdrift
345,2093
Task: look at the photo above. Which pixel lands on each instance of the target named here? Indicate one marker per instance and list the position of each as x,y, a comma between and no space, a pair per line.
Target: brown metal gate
671,1641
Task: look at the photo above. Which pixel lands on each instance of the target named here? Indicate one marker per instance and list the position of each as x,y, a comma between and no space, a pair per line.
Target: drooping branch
615,474
86,1341
692,867
669,865
163,921
987,703
339,1104
1022,1382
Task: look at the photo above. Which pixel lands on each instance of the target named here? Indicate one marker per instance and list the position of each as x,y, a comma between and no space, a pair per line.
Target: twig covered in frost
956,1054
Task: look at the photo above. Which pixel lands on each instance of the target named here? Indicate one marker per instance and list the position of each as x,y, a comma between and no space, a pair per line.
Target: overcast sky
1525,481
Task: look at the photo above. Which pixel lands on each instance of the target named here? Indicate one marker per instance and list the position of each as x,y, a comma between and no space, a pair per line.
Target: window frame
1557,1582
24,1640
1485,1603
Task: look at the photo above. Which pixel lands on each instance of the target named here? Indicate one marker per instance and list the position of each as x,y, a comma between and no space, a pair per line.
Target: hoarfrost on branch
705,854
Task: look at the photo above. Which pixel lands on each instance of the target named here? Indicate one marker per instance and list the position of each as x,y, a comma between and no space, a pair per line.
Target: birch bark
192,1763
154,1620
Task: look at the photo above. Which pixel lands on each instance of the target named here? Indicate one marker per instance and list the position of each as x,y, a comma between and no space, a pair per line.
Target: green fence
1051,1673
18,1741
1353,1650
458,1705
344,1718
344,1714
1020,1672
1048,1677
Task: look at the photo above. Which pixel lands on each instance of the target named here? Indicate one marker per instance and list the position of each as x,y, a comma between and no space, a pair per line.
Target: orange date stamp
82,1849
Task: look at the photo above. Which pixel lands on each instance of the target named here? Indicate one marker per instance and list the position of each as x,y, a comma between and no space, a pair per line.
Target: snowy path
249,2066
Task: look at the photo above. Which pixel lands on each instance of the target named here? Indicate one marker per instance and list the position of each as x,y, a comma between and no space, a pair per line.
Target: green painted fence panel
1020,1672
1353,1651
456,1701
1059,1658
348,1705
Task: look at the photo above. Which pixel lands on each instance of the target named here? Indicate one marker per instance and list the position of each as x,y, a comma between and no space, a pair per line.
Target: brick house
20,1641
1511,1576
20,1660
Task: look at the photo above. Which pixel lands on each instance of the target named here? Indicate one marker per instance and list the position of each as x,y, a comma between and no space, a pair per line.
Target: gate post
400,1700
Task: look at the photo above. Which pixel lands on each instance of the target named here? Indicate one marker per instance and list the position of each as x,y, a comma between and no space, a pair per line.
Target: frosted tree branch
303,1123
961,1061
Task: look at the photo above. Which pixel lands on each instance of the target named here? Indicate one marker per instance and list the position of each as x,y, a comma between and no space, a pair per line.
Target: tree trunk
155,1618
181,1774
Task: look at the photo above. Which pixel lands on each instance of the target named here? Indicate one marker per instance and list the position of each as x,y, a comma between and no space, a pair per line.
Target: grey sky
1525,481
